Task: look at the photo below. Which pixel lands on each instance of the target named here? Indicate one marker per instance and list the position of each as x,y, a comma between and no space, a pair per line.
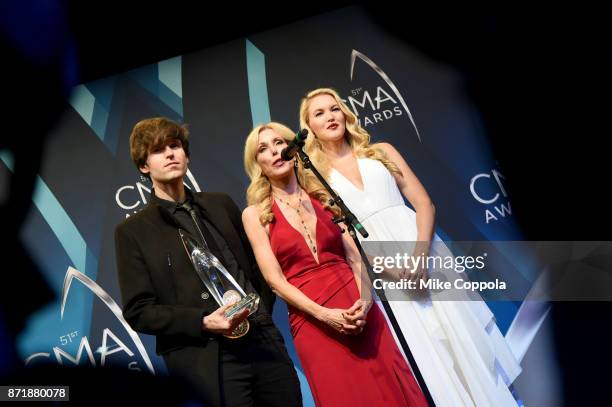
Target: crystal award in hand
220,283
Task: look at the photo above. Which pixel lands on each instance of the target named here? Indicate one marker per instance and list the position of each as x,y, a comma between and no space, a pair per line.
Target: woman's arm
358,312
353,258
277,281
415,193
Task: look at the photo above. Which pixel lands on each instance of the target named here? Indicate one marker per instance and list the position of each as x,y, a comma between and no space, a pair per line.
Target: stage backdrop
88,183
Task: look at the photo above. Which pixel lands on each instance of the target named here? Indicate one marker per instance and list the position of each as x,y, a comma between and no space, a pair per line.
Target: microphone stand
352,224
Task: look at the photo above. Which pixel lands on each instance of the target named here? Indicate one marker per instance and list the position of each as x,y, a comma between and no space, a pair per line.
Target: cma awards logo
111,344
133,198
377,105
488,189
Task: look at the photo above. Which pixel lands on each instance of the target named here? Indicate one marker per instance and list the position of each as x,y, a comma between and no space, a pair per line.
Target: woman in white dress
462,355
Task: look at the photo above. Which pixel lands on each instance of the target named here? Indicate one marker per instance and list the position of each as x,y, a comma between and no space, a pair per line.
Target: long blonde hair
356,136
259,192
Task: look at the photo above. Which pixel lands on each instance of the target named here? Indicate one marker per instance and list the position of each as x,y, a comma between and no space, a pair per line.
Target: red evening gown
342,370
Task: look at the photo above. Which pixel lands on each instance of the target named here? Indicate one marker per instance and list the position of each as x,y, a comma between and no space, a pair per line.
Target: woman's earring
295,163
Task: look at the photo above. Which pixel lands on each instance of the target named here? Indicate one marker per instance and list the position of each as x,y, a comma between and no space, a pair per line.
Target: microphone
294,145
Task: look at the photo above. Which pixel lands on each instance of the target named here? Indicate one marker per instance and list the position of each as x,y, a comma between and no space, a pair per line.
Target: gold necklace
299,212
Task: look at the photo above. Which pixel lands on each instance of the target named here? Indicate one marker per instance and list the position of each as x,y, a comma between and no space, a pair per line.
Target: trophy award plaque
220,283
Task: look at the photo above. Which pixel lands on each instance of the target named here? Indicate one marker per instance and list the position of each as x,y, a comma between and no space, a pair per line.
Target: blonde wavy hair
259,192
356,136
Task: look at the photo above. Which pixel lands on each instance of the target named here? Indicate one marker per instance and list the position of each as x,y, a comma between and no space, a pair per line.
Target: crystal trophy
220,283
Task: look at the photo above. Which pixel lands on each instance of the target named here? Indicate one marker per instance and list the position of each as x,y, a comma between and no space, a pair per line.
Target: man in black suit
164,296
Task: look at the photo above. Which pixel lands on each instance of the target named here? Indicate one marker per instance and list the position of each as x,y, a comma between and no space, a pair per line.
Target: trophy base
240,330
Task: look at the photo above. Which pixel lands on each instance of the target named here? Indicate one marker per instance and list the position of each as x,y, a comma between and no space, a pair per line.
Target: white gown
462,355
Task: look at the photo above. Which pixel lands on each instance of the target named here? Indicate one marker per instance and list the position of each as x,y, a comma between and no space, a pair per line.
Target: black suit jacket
162,294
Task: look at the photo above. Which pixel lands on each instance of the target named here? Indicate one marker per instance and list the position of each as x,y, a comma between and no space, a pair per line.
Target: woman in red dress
346,349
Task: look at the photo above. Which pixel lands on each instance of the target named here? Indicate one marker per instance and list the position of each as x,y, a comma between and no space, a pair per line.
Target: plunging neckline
315,256
362,191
